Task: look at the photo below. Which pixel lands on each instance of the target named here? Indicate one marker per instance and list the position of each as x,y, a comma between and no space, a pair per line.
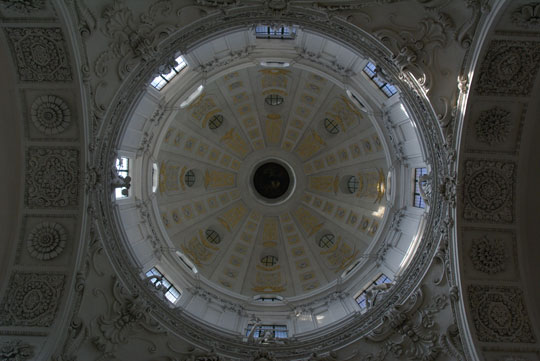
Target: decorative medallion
31,299
16,350
488,191
527,16
493,126
46,241
40,54
50,114
509,68
499,314
52,177
488,255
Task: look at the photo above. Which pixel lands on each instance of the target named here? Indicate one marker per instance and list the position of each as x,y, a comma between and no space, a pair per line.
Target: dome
272,181
269,180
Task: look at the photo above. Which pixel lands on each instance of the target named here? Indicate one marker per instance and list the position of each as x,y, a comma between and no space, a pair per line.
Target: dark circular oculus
271,180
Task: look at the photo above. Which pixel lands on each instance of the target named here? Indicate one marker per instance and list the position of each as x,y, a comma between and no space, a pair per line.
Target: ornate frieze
50,114
509,68
488,255
527,16
16,350
40,54
31,299
52,177
46,241
493,126
488,193
23,6
499,314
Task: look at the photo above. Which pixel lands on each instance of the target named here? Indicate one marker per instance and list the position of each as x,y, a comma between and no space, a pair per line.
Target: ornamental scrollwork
16,350
126,314
131,38
409,330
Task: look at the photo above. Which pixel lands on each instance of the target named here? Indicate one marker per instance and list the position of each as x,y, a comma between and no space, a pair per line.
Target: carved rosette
489,191
488,255
509,68
50,114
31,299
16,350
499,314
46,241
493,126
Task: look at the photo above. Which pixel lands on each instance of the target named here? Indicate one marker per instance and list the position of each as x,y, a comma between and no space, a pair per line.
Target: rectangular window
122,168
171,292
278,331
163,79
418,200
386,88
361,298
268,32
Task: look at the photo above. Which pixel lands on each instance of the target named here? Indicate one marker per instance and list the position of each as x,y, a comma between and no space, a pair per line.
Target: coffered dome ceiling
270,177
272,181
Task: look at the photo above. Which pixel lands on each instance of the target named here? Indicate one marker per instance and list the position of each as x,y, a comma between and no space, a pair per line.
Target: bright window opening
361,298
155,177
418,201
386,88
277,331
269,32
164,78
122,168
170,292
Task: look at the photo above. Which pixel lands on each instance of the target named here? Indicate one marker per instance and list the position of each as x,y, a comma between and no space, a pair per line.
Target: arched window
164,78
215,122
274,99
189,178
269,261
122,169
371,71
212,236
331,126
418,200
361,298
170,292
327,240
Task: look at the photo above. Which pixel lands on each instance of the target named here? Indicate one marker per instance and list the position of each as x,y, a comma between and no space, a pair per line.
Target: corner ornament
126,314
16,350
